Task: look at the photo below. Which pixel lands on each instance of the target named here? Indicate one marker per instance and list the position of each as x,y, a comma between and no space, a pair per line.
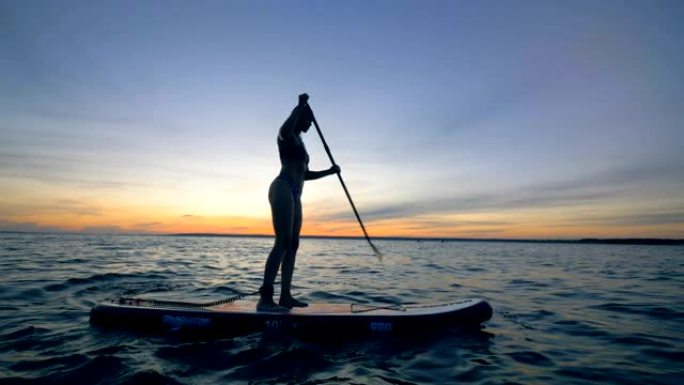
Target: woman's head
303,116
305,119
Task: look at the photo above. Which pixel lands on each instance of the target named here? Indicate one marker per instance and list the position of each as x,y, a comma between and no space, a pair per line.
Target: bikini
291,150
293,186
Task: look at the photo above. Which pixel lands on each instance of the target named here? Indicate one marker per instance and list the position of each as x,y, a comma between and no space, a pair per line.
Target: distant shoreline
600,241
604,241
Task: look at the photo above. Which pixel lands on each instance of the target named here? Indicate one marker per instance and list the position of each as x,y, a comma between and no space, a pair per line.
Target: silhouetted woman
284,196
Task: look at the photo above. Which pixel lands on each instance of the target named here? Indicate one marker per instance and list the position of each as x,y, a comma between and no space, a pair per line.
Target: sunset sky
475,119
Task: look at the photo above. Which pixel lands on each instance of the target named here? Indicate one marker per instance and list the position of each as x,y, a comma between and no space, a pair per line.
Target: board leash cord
400,307
187,305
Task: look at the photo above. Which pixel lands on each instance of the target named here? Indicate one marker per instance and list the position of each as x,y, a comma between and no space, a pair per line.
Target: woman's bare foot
270,306
290,302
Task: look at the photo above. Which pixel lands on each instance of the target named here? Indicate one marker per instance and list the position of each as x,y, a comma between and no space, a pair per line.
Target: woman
284,196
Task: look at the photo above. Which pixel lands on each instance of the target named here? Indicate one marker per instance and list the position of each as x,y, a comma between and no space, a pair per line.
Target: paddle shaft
344,186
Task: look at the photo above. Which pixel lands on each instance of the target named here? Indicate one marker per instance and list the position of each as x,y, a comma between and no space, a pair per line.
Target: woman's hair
306,115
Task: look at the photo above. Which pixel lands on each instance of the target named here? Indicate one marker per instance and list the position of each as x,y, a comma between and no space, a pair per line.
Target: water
563,314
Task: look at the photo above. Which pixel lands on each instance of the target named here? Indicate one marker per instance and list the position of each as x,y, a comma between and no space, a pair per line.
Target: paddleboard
241,317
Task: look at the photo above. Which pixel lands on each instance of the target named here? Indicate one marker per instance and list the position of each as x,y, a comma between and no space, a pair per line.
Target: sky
466,119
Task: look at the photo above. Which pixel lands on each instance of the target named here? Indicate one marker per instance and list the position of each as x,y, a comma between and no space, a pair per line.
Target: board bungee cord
179,304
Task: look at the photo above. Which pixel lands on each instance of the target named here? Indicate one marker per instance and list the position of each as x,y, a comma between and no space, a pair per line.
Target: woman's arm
287,129
313,175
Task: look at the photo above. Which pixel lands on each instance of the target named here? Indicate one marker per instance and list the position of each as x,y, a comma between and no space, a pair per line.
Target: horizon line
617,241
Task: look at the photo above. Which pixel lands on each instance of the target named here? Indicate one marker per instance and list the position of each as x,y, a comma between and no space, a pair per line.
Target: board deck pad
241,317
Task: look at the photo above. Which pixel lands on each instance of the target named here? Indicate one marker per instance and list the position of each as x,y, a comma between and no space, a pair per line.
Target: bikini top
291,149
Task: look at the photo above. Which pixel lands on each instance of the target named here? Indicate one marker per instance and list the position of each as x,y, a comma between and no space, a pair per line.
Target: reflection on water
572,314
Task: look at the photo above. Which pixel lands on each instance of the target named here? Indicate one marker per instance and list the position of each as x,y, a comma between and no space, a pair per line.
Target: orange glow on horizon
169,220
399,228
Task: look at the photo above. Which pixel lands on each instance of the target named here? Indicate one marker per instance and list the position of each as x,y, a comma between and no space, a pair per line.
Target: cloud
60,170
482,231
139,228
147,225
106,230
85,183
640,219
6,225
629,182
52,207
519,199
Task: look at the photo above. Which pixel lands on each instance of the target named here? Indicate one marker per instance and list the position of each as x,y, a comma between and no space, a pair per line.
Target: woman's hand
335,169
303,100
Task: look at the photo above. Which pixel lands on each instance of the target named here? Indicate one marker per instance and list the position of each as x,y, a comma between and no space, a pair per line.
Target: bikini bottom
296,192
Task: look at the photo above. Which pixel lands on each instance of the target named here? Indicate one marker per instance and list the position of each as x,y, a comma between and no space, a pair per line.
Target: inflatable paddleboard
241,317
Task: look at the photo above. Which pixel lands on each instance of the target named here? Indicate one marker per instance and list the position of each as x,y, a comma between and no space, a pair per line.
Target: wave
106,277
654,311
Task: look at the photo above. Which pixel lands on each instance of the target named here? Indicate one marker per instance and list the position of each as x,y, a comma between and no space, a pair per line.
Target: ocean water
563,313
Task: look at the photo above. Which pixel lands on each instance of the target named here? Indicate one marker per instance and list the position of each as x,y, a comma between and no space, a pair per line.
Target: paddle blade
376,251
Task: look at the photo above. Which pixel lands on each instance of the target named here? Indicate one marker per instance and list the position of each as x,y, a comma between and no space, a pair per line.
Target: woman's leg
289,260
282,210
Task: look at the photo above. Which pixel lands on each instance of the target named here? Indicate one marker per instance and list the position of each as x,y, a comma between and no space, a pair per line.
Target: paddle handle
344,186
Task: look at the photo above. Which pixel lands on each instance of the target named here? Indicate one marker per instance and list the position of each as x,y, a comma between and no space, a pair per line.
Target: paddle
344,186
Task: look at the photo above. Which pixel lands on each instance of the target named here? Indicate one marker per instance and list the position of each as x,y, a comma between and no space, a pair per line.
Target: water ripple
564,314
